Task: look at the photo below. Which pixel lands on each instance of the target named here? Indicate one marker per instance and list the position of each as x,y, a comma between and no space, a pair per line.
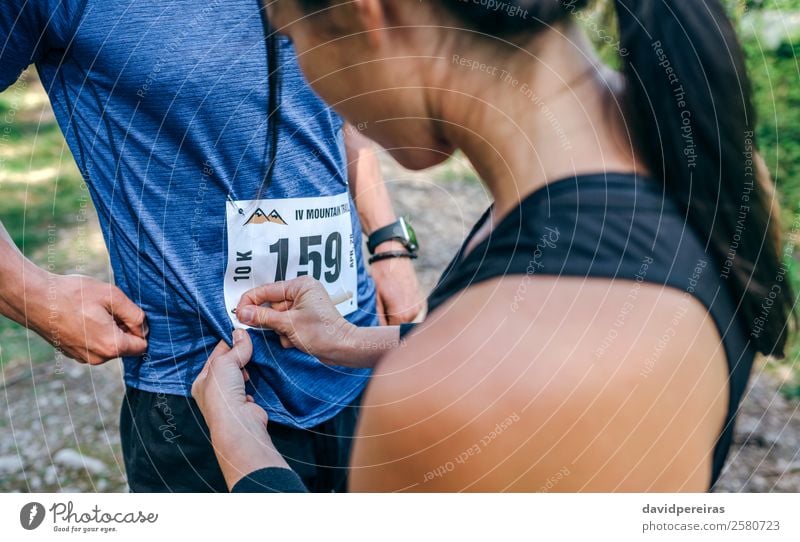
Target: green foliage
774,71
29,211
38,193
775,77
40,197
757,5
792,390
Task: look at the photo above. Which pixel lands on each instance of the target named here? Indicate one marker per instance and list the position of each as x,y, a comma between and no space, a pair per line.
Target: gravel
10,465
74,460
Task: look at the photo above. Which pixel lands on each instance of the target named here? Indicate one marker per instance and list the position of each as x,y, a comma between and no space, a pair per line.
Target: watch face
411,236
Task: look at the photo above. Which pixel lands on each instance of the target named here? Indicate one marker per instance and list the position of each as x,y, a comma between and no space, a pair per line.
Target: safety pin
230,199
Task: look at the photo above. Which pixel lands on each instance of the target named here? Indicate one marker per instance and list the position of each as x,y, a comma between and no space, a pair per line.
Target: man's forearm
21,281
399,298
366,182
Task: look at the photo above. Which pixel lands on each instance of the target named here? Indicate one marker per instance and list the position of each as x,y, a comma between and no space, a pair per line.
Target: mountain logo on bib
260,217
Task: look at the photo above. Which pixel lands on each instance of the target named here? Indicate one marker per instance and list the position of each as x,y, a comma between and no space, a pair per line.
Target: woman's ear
363,18
371,16
281,14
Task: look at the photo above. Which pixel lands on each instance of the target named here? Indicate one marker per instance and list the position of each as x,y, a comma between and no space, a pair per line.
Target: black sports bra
607,225
612,226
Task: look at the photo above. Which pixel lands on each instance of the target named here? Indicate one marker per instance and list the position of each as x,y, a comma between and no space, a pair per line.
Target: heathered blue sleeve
31,29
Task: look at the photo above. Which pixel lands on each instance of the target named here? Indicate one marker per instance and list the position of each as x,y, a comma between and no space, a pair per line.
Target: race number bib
281,239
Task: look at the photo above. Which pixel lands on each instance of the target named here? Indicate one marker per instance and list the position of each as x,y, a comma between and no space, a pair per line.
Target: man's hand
88,320
399,297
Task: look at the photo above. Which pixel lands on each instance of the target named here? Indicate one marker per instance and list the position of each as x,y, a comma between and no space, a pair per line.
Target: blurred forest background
58,419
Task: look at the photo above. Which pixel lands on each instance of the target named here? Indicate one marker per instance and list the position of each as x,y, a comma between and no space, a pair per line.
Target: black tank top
614,226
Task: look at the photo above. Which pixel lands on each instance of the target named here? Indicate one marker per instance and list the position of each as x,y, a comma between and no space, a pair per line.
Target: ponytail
688,100
689,97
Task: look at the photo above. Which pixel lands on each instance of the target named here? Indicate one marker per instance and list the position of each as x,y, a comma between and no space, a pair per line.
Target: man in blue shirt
165,108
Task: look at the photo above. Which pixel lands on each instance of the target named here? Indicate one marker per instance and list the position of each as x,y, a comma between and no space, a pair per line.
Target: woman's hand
219,388
302,314
238,426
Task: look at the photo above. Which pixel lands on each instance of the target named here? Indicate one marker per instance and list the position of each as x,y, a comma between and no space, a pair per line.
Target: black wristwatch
399,230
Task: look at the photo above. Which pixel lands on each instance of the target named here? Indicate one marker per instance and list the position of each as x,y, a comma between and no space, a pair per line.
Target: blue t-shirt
164,106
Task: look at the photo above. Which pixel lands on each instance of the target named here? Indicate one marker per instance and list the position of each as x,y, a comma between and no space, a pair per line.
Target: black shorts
166,446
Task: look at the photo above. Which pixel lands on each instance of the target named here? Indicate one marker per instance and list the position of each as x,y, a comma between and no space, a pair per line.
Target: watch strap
394,231
392,254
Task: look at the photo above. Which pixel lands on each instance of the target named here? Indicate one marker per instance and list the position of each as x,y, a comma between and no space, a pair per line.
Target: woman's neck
542,117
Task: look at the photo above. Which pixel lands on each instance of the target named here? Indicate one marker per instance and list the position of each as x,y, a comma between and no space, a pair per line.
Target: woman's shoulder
517,319
550,364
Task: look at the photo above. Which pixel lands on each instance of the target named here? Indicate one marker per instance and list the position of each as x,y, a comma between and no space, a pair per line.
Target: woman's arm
302,313
365,346
238,427
522,402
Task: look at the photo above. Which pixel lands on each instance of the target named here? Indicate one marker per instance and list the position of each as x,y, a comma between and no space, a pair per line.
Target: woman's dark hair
688,103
